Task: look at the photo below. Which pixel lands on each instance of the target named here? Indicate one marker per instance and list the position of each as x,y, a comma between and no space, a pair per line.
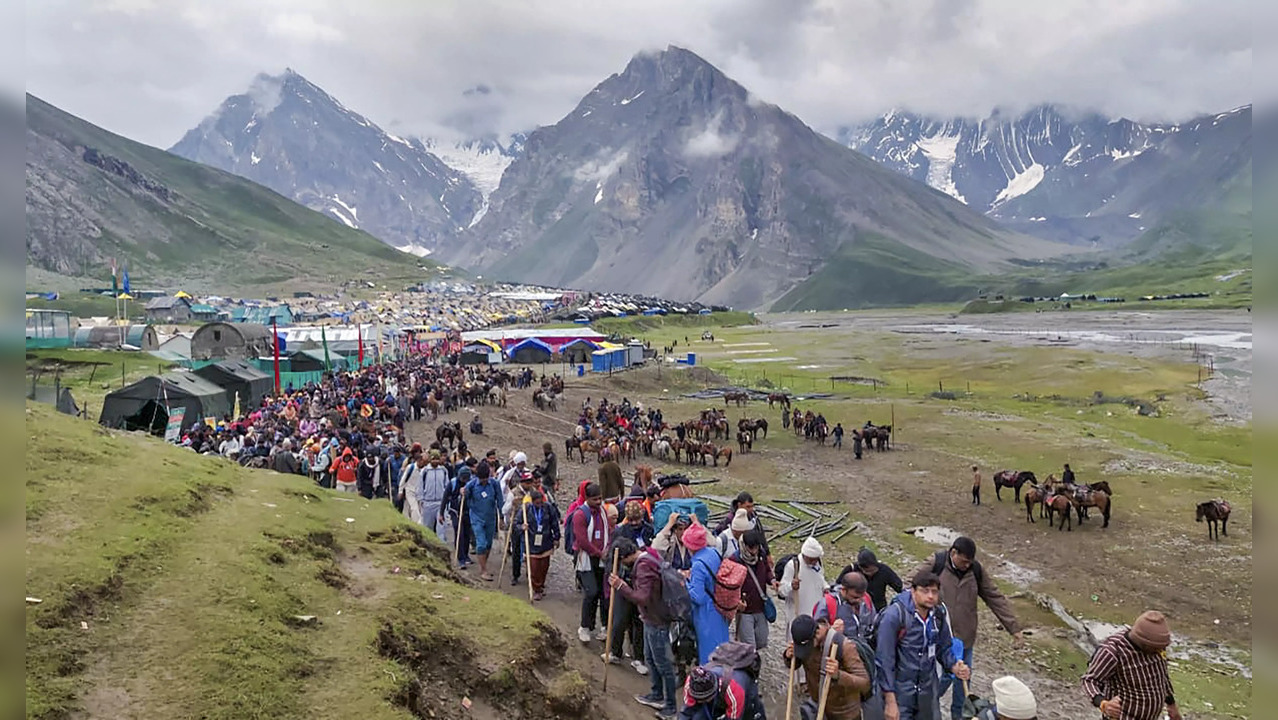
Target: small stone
466,703
37,601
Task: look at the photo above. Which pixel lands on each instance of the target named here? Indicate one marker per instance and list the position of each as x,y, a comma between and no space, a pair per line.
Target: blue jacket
908,649
483,502
710,625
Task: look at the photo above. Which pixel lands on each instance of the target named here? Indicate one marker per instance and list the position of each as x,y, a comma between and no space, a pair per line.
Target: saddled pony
782,398
878,437
1035,495
1062,504
1094,498
745,440
1012,479
1214,511
450,430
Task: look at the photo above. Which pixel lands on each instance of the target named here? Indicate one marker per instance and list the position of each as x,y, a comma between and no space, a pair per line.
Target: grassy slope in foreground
187,574
222,231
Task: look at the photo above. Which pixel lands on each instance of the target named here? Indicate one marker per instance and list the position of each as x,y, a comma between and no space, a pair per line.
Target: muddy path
909,485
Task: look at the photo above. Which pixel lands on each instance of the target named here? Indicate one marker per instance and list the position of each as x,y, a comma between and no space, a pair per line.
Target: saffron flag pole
275,335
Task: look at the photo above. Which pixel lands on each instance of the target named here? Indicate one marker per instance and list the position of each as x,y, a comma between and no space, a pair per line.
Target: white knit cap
520,458
812,548
741,521
1013,699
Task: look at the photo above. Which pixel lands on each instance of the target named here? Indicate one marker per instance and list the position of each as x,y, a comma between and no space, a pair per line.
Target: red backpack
727,587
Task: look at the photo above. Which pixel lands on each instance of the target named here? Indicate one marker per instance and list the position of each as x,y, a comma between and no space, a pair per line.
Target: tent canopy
530,350
238,376
142,405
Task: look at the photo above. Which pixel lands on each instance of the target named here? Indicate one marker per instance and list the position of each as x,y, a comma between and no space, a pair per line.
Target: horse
760,425
745,440
1035,495
877,437
1012,479
1059,504
497,395
1214,511
450,430
726,453
1093,498
740,398
822,431
570,444
663,448
782,398
432,407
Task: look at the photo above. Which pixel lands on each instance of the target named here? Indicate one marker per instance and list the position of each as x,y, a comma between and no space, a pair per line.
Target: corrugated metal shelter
228,341
239,376
280,314
169,309
530,352
142,337
142,405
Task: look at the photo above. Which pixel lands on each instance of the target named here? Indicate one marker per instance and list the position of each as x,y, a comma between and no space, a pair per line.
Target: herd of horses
1072,500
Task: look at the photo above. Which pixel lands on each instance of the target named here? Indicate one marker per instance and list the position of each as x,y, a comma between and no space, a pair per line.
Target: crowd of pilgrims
693,604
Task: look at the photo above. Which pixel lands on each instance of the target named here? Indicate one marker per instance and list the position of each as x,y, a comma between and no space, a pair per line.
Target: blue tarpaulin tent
530,351
608,359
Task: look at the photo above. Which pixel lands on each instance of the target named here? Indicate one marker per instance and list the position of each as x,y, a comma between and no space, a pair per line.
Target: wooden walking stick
612,606
461,515
505,553
825,684
528,552
789,693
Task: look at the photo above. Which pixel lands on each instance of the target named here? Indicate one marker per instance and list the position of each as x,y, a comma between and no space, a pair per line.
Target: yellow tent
182,294
605,345
124,296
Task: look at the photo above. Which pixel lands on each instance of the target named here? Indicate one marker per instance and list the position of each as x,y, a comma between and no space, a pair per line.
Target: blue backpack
684,506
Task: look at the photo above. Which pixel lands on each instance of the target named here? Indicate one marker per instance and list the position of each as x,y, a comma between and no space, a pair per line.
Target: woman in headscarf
708,623
581,500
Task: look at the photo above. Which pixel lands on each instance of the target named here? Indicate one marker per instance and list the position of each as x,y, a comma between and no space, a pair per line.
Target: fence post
121,373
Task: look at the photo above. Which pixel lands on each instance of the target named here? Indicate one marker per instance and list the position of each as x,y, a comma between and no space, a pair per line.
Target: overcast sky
152,69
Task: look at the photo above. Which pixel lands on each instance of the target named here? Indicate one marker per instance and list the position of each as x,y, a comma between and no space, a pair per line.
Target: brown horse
450,430
1012,479
878,437
782,398
740,398
570,444
1214,511
1093,498
1059,504
725,452
745,440
1035,495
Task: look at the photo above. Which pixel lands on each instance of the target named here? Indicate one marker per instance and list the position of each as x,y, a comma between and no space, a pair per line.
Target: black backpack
938,565
569,539
778,570
674,594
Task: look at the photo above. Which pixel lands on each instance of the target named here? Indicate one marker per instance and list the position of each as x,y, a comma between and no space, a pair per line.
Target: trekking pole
505,553
789,693
612,606
825,684
528,553
461,513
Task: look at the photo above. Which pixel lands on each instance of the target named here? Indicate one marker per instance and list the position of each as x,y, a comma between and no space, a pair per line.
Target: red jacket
581,538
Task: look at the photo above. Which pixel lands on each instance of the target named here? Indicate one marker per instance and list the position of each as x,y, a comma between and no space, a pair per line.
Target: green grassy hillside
166,584
92,195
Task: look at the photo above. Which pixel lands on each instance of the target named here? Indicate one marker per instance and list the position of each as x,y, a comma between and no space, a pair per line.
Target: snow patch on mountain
351,209
941,151
1026,180
483,165
343,218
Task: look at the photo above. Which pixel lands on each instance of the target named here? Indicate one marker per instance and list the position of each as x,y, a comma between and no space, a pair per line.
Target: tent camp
530,352
239,341
578,351
313,361
142,337
141,406
238,376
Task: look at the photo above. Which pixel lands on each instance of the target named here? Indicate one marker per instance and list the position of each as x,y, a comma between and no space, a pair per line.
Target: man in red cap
1127,678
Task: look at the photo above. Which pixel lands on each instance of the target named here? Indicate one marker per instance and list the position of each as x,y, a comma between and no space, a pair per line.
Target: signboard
173,432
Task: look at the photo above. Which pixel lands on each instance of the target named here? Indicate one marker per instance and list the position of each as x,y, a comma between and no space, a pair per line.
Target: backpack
863,651
938,564
778,570
737,656
674,594
662,509
727,587
569,537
